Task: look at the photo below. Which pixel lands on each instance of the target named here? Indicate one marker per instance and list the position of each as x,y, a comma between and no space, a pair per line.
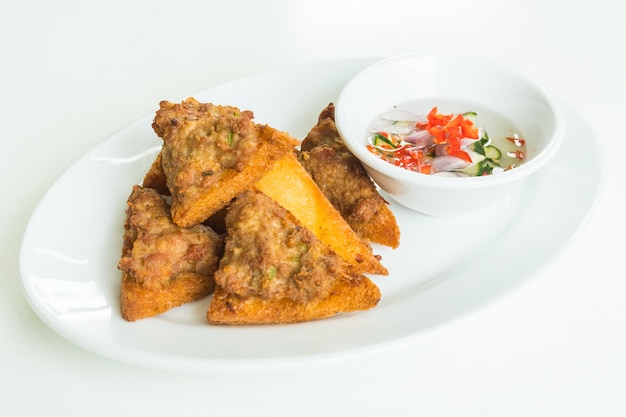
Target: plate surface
443,269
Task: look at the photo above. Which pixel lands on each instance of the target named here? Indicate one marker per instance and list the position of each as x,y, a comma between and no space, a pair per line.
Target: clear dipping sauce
472,142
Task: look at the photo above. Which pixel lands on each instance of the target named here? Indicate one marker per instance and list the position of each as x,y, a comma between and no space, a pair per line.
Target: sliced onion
467,142
392,127
398,115
441,149
475,156
448,163
421,138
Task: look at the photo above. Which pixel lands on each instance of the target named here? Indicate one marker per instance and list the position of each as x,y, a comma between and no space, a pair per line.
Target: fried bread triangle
274,270
289,185
211,153
203,167
163,265
345,182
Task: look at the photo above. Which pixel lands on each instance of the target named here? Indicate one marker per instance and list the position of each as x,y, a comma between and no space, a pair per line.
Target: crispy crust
345,182
212,156
212,153
290,186
138,302
163,266
346,296
275,271
155,177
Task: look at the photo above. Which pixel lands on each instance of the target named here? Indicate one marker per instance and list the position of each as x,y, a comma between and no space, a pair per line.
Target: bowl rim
371,162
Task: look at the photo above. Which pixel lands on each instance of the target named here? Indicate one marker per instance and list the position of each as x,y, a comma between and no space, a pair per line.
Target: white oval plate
443,269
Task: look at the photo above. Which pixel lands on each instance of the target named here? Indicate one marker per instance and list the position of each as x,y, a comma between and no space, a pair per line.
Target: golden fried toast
211,153
288,184
347,296
274,270
295,226
155,177
163,265
345,182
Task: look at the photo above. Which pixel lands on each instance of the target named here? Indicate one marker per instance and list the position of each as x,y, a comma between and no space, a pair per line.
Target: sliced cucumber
472,170
380,140
484,167
470,115
478,147
485,140
491,152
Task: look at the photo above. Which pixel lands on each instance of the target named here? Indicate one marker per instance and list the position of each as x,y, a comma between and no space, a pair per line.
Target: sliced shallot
398,115
421,138
448,163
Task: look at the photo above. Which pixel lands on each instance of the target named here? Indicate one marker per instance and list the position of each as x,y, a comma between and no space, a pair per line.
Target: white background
74,72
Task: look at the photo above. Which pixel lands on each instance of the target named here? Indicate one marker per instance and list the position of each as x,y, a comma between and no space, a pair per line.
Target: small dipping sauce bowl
503,99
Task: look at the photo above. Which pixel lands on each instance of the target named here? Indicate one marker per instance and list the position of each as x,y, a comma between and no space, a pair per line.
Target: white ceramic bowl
456,84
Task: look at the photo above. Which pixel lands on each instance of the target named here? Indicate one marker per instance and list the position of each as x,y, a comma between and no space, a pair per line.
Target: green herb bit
479,148
486,167
381,138
272,272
